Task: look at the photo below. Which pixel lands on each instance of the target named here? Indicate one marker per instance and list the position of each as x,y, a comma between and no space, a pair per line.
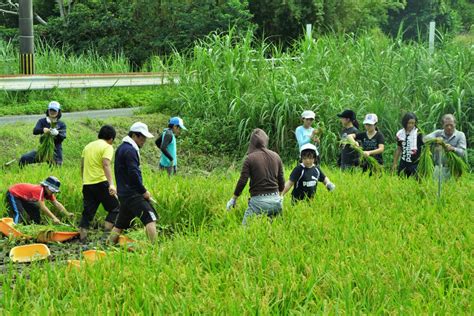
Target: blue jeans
270,205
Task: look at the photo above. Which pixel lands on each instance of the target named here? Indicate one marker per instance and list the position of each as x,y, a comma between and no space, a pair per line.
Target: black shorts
135,206
94,195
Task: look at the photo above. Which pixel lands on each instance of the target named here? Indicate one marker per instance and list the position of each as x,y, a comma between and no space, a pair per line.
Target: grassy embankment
375,245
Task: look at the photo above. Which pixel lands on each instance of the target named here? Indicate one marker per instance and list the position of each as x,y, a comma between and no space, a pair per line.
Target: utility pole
27,46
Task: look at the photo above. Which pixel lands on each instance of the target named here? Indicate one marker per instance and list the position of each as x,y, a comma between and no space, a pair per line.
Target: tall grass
227,88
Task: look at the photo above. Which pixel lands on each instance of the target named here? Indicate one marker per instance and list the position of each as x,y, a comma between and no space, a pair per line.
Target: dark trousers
407,169
93,196
171,170
30,158
22,211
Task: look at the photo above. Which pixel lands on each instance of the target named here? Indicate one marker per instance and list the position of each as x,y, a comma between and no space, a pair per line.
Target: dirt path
71,115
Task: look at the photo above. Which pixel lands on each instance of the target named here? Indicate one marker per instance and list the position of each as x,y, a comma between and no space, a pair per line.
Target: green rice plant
372,164
457,166
35,230
426,166
45,152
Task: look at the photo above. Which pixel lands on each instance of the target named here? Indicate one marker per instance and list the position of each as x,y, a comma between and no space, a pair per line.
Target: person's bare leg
108,226
114,235
82,233
150,230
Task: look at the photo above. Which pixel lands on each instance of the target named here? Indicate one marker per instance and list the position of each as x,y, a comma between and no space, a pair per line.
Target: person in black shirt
349,158
305,176
372,140
409,142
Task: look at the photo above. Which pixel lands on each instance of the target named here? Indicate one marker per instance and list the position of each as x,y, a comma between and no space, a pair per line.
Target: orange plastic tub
28,253
6,227
93,255
57,236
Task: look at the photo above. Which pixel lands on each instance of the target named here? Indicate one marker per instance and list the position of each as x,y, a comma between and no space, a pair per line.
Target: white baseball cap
371,119
54,105
141,128
309,147
308,115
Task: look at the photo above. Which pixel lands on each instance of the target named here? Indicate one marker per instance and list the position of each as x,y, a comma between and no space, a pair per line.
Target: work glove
231,204
330,186
54,131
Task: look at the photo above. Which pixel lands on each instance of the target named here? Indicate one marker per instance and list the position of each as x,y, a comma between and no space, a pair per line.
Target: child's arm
61,208
396,157
287,188
46,210
329,185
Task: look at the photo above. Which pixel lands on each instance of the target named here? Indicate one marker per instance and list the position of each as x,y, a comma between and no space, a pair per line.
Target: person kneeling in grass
265,170
30,199
98,185
133,196
305,176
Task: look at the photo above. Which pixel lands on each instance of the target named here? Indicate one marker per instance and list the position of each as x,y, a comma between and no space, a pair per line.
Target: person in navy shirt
51,124
305,176
135,199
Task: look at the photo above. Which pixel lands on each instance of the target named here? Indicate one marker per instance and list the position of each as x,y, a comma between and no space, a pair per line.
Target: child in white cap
305,133
306,175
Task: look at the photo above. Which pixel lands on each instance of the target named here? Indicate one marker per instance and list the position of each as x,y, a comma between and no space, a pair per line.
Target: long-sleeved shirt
457,140
303,135
263,166
127,171
58,139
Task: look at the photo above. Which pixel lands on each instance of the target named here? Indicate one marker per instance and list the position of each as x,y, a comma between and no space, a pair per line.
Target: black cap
348,114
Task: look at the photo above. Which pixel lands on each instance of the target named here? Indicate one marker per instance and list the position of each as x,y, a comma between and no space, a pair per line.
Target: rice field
375,245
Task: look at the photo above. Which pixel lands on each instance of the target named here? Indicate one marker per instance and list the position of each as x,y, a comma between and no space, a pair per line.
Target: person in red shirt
30,199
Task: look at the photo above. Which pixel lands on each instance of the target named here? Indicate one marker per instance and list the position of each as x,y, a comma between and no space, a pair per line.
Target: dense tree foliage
141,28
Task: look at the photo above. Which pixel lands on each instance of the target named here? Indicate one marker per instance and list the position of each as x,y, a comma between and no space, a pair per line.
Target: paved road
70,116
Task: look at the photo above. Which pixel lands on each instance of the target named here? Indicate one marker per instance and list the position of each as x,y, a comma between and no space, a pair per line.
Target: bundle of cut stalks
372,163
456,165
45,152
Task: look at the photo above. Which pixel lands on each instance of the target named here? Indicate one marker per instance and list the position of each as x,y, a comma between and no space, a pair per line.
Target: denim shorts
268,204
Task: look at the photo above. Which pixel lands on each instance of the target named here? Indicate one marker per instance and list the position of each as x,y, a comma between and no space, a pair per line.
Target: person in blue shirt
306,134
167,144
51,124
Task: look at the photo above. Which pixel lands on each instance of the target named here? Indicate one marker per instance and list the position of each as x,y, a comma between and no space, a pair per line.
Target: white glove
54,131
330,186
231,204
